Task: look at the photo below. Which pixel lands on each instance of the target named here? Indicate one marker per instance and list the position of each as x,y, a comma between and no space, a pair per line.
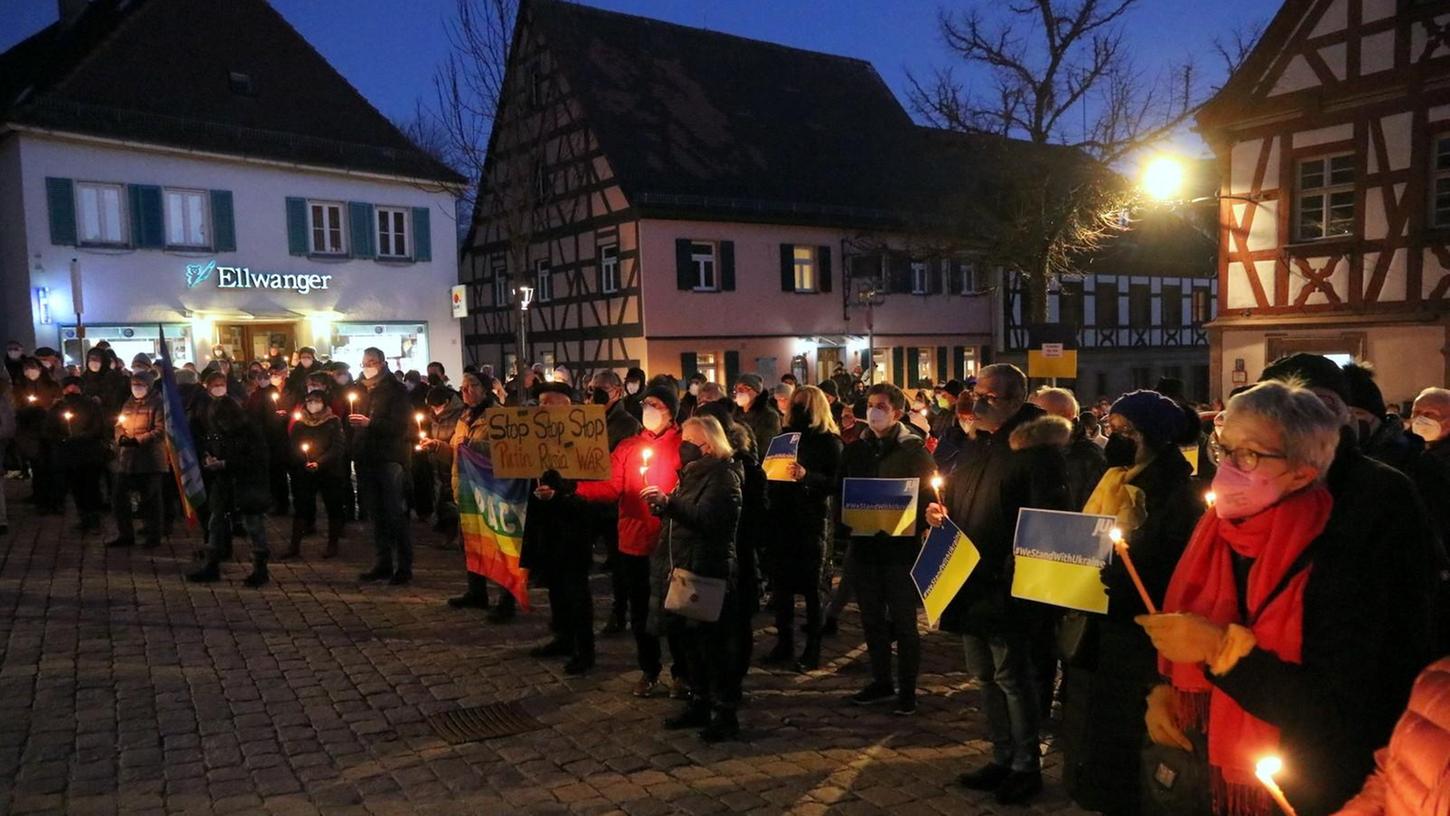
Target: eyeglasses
985,397
1245,459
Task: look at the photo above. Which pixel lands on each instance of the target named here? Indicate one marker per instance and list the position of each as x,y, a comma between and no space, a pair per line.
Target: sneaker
905,705
645,687
989,777
1019,787
872,694
680,689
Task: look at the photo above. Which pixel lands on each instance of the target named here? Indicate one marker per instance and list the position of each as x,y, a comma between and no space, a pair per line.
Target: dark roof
697,120
159,71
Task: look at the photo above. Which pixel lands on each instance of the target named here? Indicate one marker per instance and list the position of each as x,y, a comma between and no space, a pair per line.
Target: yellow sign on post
526,442
1052,360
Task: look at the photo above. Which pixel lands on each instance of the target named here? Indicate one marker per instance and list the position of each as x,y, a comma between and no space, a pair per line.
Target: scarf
1115,497
1203,584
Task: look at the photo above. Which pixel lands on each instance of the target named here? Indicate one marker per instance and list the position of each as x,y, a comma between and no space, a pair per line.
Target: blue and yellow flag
946,560
491,515
782,451
180,450
1059,557
870,506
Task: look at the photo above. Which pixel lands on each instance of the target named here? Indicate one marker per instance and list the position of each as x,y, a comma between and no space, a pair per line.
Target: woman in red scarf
1270,625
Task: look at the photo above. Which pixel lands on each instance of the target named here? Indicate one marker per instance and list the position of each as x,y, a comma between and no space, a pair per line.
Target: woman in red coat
1412,777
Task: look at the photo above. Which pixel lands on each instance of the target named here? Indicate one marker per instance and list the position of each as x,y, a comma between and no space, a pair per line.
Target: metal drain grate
483,722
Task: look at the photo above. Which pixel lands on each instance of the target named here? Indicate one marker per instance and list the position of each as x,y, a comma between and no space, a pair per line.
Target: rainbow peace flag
946,560
180,450
782,451
870,506
1059,557
491,515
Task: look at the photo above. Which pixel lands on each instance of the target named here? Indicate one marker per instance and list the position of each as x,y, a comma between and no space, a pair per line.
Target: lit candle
30,398
1209,498
306,446
296,414
276,396
352,401
67,416
936,483
1121,547
422,435
1266,770
644,456
121,420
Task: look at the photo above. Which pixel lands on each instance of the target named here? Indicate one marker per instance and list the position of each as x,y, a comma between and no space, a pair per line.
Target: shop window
404,345
805,268
1324,198
128,341
324,222
609,268
392,232
102,218
543,282
186,219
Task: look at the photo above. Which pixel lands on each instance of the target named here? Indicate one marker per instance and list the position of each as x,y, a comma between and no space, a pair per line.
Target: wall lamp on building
1164,180
42,304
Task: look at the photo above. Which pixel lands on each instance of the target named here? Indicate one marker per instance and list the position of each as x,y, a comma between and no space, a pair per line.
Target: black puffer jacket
990,484
1173,506
700,521
799,523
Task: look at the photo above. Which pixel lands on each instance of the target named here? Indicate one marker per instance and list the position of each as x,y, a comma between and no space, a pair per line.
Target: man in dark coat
235,453
620,425
104,382
757,409
990,484
307,364
77,434
383,442
1085,463
140,462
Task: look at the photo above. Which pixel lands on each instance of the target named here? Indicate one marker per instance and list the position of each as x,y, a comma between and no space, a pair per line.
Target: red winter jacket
639,530
1413,777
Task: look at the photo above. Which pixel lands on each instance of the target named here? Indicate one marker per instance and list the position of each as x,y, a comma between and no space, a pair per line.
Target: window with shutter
100,215
803,266
324,225
702,258
60,200
186,219
392,232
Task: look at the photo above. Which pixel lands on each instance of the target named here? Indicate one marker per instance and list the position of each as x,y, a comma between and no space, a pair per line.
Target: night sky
388,48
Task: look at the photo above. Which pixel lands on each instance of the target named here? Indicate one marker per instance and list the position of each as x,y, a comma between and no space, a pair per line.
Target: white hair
1310,429
1439,396
1056,401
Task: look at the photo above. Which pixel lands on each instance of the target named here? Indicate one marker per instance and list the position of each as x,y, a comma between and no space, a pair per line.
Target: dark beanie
316,394
828,387
666,395
1156,417
720,410
440,395
1363,393
1313,370
751,381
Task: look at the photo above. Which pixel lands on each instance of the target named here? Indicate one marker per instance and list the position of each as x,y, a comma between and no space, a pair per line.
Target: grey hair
607,378
1011,378
1439,396
1062,399
471,377
1310,429
710,392
782,390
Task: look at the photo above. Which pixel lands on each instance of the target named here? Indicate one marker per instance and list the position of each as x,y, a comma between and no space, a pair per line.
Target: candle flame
68,416
352,397
30,398
646,454
1116,535
936,482
276,396
422,434
296,414
306,447
418,417
1268,768
121,420
1210,497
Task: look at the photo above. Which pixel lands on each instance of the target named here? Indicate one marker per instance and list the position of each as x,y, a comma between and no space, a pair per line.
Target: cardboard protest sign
1059,558
870,506
782,452
525,442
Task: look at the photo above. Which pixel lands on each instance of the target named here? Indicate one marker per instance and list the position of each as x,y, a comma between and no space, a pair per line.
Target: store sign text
241,277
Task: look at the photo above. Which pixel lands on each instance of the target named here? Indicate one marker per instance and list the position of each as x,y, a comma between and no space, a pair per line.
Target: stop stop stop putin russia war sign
526,442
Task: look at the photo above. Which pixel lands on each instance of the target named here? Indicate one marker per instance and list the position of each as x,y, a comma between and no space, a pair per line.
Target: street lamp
525,296
1164,181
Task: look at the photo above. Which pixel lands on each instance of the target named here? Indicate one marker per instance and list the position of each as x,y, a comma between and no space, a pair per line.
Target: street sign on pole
1052,352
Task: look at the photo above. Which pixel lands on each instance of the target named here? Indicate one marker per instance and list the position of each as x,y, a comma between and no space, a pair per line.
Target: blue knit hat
1156,417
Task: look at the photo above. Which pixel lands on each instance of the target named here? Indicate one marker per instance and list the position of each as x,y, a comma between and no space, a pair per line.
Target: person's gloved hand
127,442
1182,637
1162,728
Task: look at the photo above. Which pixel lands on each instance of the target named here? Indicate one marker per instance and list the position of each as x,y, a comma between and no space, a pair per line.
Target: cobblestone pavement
124,689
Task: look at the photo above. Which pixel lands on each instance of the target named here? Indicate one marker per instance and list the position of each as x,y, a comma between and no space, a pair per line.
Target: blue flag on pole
1059,558
946,560
180,450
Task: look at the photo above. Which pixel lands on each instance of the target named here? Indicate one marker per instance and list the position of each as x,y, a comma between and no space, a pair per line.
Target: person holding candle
1109,663
271,407
382,442
799,524
317,455
140,437
78,431
993,479
1275,623
233,451
34,392
444,407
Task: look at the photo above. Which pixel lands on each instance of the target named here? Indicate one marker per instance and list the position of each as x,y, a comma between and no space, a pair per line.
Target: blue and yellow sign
944,564
871,506
1059,558
782,452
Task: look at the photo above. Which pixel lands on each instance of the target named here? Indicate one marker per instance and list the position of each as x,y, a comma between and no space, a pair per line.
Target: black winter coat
242,485
620,424
700,521
763,419
800,524
990,484
108,386
754,505
554,541
326,445
84,439
1173,506
898,454
1085,467
390,434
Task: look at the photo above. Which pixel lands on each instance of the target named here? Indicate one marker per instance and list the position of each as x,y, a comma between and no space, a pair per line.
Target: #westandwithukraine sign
1059,557
870,506
946,560
782,452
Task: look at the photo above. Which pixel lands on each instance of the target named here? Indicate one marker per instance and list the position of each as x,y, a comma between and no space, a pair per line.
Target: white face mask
371,371
631,388
314,407
218,391
1426,428
304,361
277,382
743,399
32,374
94,365
654,419
694,389
138,391
13,354
879,419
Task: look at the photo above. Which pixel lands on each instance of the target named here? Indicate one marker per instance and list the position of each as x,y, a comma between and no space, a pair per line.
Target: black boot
504,612
558,647
333,534
783,652
475,597
695,715
294,545
723,726
259,572
379,572
811,657
210,573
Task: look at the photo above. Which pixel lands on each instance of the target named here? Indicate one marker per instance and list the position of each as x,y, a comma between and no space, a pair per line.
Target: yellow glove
1182,637
1162,728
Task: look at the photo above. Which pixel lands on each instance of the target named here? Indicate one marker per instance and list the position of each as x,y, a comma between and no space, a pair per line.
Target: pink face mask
1239,495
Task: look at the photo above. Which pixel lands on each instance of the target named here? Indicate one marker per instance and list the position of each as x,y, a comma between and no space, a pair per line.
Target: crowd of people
1290,567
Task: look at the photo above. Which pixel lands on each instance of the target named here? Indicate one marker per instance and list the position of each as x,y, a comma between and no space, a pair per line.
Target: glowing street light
1163,178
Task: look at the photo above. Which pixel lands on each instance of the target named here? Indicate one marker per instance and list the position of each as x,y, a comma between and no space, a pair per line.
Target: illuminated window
102,218
392,232
186,218
1324,198
543,282
609,268
325,225
805,268
708,364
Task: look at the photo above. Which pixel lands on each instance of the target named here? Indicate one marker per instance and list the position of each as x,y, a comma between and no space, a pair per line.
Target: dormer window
241,83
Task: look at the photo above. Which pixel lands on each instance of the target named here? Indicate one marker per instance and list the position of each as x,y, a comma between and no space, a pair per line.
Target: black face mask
1364,431
1120,451
799,416
689,452
599,396
435,380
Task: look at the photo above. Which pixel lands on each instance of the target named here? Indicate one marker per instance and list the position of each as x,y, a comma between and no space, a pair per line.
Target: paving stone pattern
124,689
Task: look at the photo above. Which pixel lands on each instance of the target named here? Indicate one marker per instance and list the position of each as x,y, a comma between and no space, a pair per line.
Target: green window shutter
732,367
727,266
898,366
223,222
688,364
422,235
296,226
941,364
60,199
148,227
360,229
684,267
913,367
959,363
823,269
787,267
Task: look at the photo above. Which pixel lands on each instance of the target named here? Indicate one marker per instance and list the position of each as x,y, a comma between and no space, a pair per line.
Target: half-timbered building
1334,142
684,200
